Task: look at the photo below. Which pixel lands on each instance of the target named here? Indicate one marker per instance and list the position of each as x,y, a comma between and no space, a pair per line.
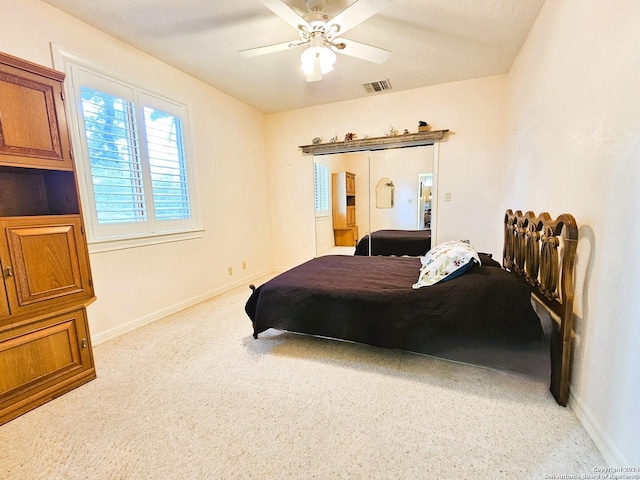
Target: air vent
379,86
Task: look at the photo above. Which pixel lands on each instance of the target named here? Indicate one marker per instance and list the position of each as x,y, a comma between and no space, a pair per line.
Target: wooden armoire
46,283
343,188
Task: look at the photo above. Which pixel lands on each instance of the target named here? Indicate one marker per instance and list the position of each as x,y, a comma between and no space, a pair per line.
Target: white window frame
325,166
105,237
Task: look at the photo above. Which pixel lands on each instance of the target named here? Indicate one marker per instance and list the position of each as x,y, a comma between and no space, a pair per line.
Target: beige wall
469,168
139,285
573,144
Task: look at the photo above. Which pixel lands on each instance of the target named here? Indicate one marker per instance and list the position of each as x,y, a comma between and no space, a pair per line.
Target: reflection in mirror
411,173
403,165
341,186
385,191
405,228
425,187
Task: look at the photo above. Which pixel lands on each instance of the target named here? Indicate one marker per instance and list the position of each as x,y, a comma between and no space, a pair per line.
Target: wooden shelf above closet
376,143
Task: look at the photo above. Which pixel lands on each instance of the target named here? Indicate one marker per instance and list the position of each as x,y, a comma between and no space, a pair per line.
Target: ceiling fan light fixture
321,57
308,59
327,59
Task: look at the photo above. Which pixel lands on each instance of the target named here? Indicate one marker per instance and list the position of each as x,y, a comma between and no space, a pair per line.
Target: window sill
107,245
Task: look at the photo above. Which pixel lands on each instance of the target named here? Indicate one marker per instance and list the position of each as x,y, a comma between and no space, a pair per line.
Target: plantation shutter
321,188
114,156
164,141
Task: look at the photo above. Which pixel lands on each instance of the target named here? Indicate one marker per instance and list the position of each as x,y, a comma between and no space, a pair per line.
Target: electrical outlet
230,270
447,197
244,265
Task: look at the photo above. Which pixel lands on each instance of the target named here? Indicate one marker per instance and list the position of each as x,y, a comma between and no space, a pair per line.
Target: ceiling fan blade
363,51
357,13
285,12
277,47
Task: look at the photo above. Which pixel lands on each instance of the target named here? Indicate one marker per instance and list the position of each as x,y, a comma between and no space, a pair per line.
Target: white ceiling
433,42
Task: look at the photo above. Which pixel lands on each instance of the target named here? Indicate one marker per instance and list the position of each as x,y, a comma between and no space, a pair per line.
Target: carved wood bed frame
542,252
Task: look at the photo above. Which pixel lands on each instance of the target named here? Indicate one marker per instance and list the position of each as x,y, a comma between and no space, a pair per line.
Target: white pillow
446,261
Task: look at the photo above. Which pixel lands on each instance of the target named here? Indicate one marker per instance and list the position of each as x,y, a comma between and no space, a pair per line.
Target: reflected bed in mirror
413,243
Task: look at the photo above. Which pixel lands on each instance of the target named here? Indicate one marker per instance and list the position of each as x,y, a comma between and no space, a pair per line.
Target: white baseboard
147,319
609,451
323,250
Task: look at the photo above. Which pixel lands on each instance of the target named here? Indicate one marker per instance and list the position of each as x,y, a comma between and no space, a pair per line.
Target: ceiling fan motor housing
316,16
316,5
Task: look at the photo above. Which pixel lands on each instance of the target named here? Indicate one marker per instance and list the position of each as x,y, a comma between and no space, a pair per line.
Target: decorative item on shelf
349,136
406,132
392,132
316,141
334,139
423,126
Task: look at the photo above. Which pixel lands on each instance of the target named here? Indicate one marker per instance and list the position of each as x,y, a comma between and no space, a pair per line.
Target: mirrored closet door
372,191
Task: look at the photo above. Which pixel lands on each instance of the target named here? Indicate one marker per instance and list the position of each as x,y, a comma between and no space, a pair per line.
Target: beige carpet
194,396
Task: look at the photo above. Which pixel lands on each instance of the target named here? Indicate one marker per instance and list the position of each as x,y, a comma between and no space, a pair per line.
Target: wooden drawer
41,360
346,237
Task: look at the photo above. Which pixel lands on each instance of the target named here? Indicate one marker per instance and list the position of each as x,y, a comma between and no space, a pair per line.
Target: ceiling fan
321,33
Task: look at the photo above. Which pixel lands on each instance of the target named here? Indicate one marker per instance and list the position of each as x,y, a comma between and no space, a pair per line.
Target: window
134,165
321,189
114,157
167,165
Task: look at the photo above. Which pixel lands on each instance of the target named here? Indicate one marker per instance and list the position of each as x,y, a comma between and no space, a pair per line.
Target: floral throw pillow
446,261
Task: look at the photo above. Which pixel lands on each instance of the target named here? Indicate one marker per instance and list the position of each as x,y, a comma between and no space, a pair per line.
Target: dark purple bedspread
396,242
370,300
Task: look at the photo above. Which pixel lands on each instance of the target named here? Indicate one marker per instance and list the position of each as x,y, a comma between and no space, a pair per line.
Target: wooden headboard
542,251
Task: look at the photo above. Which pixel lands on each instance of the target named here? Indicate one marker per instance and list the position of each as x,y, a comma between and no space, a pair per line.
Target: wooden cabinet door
350,183
48,261
33,128
351,216
4,306
41,360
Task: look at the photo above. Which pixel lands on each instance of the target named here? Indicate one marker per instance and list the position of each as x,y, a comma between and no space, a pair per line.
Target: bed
370,300
395,242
